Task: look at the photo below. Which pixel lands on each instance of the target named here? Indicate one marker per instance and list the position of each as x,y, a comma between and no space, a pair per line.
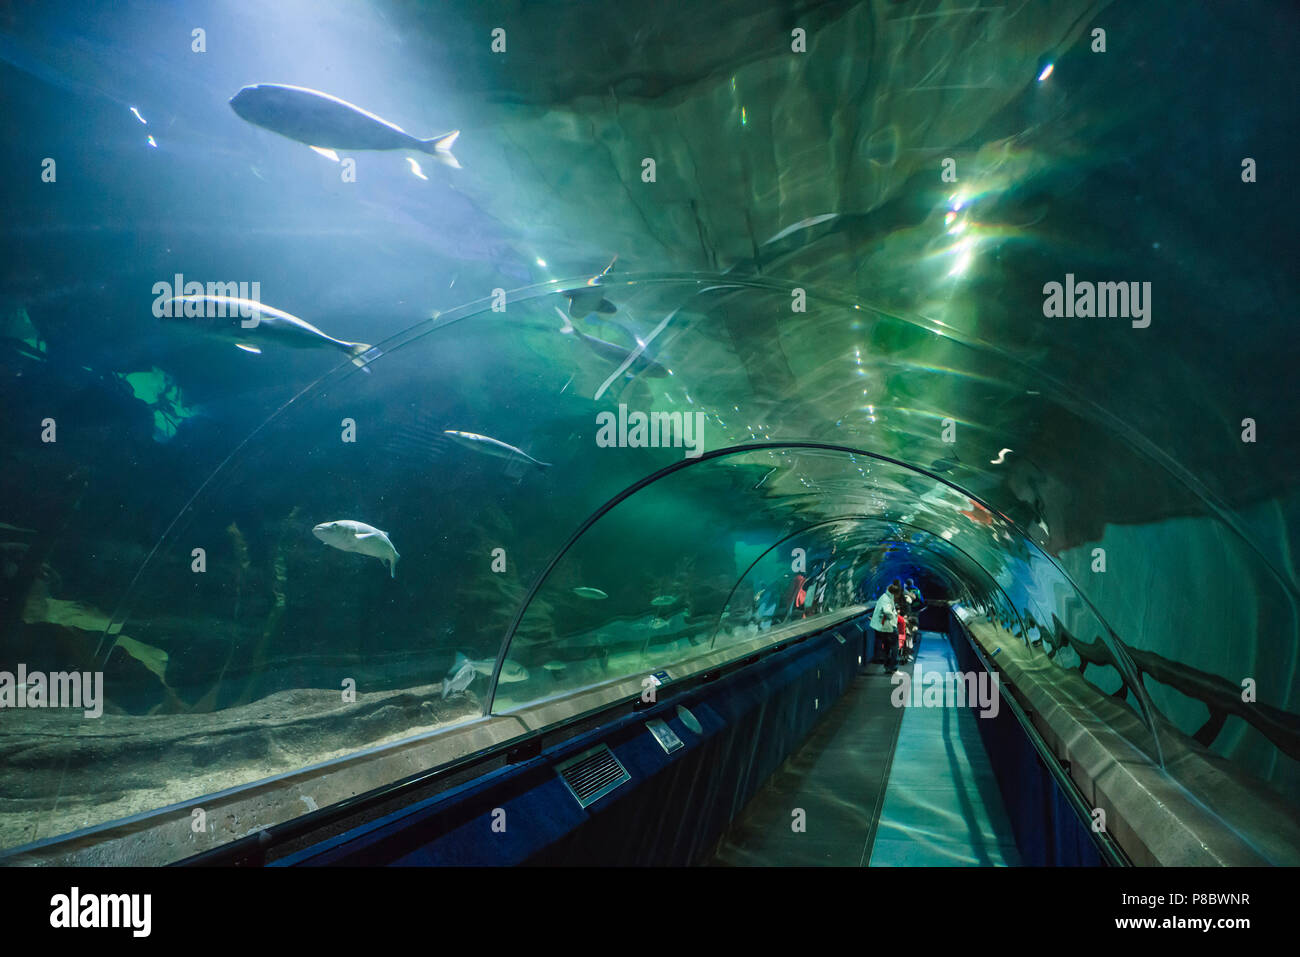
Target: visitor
913,640
884,622
917,600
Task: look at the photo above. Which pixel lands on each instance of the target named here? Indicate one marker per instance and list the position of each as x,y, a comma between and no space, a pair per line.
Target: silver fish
614,353
247,322
349,536
595,594
511,671
324,121
460,677
493,447
584,300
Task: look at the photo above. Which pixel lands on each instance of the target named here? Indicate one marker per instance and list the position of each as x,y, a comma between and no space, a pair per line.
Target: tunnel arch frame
850,518
1129,671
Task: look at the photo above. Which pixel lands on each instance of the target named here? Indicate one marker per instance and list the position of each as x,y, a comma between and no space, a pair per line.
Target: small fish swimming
595,594
493,447
460,677
614,353
350,536
247,321
320,120
464,669
664,601
584,300
511,671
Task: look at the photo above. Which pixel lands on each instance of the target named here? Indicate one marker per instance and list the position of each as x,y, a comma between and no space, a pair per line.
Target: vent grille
592,774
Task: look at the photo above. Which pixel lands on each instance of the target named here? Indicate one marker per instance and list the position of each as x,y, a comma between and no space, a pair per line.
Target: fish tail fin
440,148
363,354
567,327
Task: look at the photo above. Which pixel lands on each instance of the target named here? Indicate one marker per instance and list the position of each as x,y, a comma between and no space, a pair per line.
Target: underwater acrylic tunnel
853,435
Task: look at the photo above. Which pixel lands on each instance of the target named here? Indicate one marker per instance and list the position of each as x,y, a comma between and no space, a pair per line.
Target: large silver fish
493,447
325,121
642,364
350,536
247,322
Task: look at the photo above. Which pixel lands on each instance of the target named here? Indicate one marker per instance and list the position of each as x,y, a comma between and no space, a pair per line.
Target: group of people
895,625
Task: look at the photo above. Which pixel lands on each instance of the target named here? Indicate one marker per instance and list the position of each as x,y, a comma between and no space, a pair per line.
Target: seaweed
495,598
27,572
242,563
78,617
279,596
159,392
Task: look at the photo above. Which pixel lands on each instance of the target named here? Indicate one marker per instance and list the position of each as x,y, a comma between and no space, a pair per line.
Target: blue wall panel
1048,830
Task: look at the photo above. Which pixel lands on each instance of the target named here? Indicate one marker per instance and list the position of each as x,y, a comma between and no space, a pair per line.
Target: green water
798,276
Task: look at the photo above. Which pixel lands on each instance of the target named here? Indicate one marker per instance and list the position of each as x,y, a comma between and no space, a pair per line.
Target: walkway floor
880,785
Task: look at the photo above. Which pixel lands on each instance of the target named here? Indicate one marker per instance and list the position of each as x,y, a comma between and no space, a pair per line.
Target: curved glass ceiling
827,351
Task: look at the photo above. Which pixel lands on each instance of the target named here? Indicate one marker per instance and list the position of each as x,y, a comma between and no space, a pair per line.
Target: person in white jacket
884,622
